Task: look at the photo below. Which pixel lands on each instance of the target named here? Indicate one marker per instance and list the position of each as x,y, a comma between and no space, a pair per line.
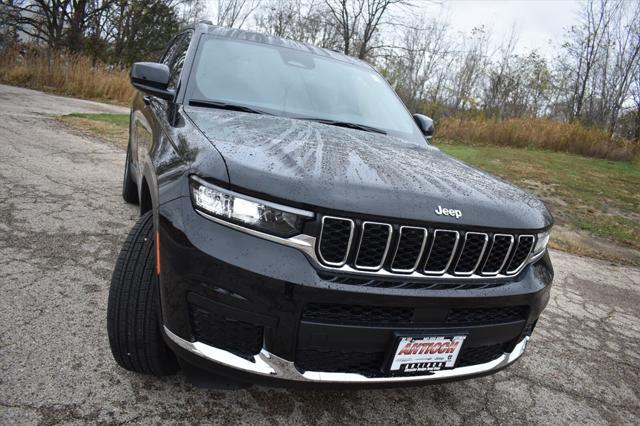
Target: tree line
113,31
593,77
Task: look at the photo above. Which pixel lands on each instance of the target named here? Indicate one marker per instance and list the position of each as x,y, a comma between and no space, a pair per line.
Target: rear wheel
129,188
133,320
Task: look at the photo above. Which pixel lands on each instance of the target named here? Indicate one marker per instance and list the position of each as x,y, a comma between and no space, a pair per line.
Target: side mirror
425,124
152,78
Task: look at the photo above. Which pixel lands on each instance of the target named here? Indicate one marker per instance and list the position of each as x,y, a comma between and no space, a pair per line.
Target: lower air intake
239,337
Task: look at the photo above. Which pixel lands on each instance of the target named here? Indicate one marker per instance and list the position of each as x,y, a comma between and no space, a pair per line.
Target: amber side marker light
157,252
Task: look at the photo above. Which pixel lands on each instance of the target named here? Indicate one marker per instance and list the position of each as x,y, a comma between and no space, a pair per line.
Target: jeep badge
449,212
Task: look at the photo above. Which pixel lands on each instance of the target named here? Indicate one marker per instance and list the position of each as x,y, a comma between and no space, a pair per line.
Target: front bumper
251,282
271,366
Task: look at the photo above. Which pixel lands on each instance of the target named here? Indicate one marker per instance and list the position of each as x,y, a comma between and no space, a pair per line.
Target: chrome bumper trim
267,364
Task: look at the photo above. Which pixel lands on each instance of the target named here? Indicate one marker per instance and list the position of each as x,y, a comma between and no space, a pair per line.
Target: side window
171,50
179,54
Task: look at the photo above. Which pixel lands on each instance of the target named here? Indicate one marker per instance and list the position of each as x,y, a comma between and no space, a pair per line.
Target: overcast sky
537,21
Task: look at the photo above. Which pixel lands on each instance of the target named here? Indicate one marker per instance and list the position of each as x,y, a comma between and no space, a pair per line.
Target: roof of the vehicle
255,37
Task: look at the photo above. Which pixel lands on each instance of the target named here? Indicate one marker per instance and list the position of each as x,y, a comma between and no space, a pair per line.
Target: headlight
542,239
247,211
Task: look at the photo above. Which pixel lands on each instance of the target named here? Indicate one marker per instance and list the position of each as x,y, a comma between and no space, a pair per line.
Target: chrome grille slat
364,233
420,250
436,235
496,271
371,249
465,256
520,252
344,258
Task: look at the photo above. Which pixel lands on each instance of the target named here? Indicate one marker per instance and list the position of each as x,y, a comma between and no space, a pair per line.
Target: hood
326,168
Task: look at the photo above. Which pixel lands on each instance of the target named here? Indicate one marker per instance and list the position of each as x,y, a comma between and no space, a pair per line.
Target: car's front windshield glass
295,83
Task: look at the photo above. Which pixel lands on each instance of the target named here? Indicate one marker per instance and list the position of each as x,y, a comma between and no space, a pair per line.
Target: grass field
120,120
539,133
596,203
71,75
112,127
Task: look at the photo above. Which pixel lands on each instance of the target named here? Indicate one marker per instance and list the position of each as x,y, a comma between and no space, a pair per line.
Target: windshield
298,84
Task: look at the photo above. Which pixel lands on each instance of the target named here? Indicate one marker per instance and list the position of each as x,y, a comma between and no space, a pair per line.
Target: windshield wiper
226,105
242,108
345,124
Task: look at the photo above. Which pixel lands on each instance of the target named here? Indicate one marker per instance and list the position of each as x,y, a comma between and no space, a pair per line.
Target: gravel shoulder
62,221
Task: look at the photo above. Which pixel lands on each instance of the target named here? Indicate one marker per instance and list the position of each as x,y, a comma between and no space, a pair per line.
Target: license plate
431,353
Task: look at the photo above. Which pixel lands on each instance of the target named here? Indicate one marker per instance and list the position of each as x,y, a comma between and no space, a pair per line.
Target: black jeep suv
297,227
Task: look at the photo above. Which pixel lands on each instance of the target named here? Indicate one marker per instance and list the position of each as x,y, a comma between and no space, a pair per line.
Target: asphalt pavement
62,221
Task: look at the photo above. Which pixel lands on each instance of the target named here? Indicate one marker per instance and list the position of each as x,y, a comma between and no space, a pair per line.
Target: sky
538,23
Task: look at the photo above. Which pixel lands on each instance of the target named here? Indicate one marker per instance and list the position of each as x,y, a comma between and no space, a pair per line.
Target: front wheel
133,320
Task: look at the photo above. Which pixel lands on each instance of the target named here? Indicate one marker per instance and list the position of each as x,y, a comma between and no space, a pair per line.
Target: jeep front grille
409,250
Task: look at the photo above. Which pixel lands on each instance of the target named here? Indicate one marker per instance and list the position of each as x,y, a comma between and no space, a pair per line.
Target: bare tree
234,13
373,13
279,18
586,47
415,66
57,23
303,20
358,22
469,69
9,14
634,113
346,15
624,66
191,11
600,56
316,27
44,20
502,80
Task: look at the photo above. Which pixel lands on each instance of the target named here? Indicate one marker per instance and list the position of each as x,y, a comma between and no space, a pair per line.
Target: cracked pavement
62,221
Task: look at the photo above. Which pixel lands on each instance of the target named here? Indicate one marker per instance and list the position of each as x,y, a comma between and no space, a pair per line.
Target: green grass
599,197
588,196
113,128
117,119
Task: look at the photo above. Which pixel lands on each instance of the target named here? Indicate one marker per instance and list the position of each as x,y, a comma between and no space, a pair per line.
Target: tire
133,312
129,187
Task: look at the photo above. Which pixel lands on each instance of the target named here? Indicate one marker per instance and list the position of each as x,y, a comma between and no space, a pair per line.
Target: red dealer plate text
431,353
